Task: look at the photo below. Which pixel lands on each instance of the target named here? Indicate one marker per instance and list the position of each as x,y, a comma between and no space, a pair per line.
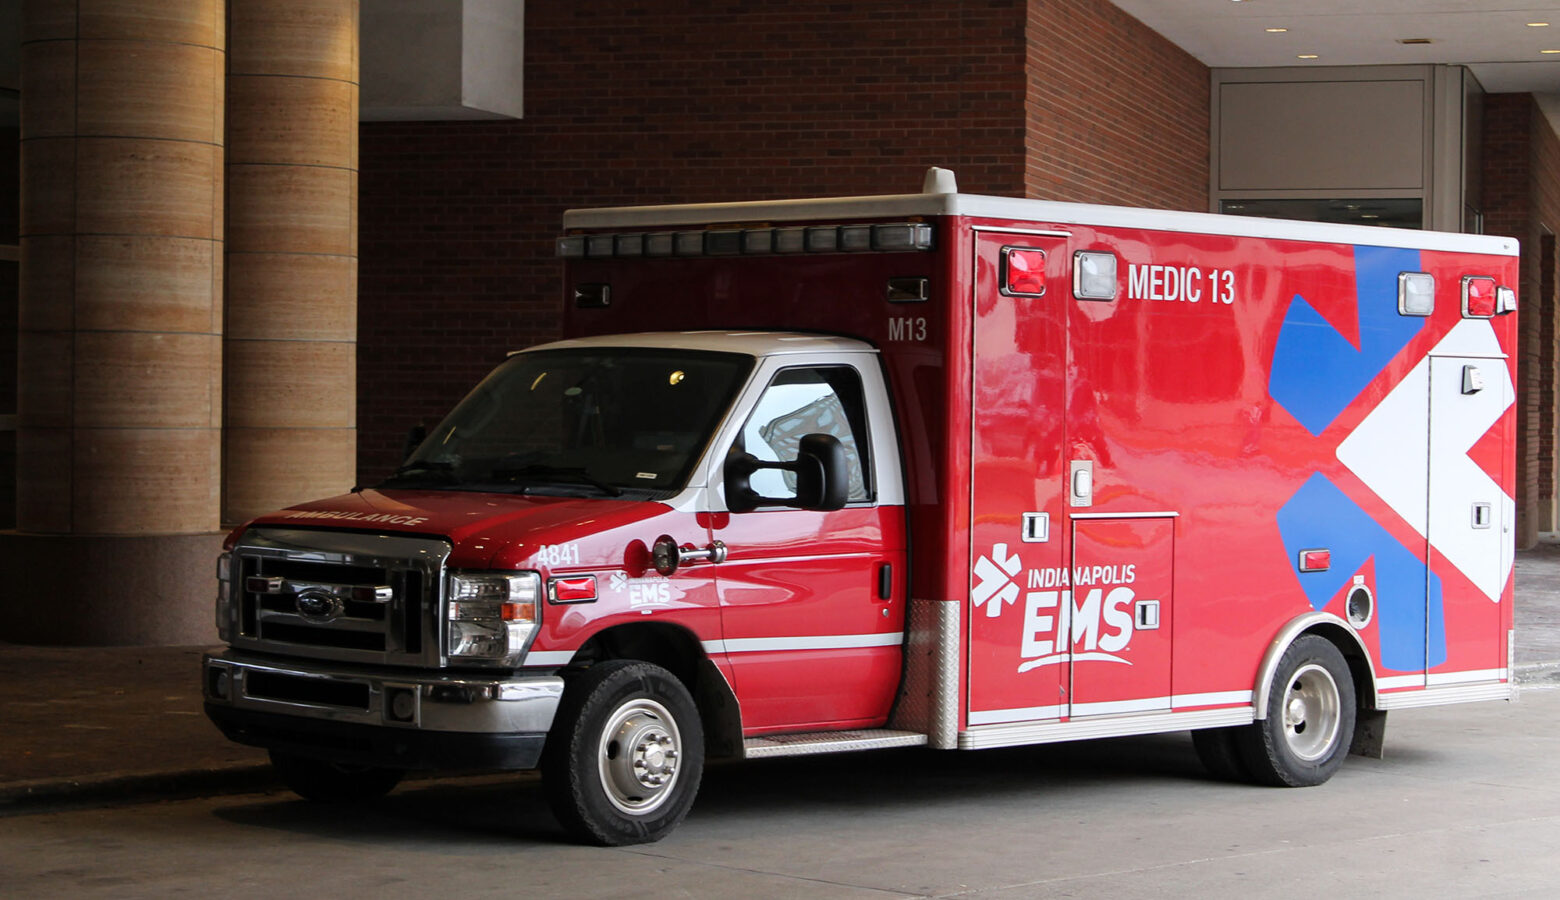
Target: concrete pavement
92,725
1466,804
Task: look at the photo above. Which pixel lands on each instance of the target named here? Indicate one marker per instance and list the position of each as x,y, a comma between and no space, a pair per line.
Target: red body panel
804,574
1172,402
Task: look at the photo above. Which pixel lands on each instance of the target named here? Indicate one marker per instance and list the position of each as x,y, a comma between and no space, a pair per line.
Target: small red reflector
1315,560
1479,297
574,590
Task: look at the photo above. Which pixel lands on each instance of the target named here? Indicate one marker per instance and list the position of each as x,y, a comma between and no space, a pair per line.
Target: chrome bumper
469,704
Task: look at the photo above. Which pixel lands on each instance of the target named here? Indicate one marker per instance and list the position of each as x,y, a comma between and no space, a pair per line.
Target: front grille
325,636
335,595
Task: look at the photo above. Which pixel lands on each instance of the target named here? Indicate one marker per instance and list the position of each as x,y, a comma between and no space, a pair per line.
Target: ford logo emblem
318,606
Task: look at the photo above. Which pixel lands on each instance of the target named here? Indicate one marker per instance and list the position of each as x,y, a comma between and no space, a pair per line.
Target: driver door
812,602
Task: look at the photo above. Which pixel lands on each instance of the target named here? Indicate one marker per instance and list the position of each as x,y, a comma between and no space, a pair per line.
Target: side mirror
414,438
821,477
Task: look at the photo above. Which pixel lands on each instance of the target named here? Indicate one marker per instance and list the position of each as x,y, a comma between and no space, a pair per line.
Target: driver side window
803,401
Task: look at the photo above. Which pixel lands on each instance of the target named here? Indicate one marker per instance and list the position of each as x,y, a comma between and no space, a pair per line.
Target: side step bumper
810,742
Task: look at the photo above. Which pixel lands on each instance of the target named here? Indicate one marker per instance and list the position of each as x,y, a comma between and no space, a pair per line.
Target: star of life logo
1056,628
644,592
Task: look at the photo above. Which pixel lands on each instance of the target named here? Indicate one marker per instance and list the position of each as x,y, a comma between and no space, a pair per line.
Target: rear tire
332,782
1310,718
625,755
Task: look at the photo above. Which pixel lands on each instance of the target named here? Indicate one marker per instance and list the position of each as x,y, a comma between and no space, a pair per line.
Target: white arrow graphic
1394,455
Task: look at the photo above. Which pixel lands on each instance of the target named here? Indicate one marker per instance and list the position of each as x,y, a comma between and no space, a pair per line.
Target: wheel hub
1294,716
655,759
1312,712
639,755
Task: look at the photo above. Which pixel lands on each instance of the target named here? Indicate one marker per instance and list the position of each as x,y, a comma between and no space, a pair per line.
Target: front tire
1310,718
625,755
331,782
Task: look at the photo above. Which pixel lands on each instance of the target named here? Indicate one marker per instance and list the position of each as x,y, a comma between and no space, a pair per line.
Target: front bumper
410,720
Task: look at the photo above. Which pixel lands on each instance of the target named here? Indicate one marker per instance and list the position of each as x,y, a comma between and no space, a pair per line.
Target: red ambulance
930,469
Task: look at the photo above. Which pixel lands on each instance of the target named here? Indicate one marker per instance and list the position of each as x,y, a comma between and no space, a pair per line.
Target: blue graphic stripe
1409,614
1316,372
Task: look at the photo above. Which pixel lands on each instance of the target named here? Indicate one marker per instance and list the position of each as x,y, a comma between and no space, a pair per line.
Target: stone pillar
119,340
290,425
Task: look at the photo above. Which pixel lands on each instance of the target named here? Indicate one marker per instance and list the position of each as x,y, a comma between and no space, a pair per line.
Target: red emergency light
1023,272
1478,297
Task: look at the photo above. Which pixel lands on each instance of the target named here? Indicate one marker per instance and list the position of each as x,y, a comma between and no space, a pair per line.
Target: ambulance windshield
581,422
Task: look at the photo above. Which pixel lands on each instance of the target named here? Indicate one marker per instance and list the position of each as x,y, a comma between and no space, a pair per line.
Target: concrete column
290,424
119,338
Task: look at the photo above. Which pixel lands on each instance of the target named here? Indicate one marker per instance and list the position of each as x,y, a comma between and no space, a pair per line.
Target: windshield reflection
581,422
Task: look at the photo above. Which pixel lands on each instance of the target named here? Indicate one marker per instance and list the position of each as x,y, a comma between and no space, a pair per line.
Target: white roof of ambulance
753,343
1045,211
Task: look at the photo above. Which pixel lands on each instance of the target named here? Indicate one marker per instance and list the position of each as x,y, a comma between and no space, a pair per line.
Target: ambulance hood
488,530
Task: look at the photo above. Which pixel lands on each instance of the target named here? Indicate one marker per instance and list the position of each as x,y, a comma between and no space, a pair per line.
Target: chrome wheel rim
639,756
1311,711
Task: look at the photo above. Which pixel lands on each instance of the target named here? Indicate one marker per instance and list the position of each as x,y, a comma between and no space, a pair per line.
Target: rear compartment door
1017,650
1469,513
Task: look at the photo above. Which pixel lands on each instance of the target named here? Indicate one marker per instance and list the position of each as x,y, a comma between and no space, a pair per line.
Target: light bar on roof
689,243
884,237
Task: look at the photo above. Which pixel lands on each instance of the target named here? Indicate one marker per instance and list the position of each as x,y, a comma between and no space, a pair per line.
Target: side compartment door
1121,614
1017,663
812,602
1470,513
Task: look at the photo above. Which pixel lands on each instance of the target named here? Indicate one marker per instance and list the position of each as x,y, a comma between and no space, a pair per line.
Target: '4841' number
558,554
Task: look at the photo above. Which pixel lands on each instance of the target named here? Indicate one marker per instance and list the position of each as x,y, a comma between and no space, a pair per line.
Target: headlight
225,597
492,616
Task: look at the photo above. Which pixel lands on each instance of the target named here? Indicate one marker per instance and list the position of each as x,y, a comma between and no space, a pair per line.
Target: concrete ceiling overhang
1493,38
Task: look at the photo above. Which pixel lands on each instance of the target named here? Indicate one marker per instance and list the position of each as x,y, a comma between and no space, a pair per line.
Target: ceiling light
1415,41
1317,56
1275,30
1538,24
1549,51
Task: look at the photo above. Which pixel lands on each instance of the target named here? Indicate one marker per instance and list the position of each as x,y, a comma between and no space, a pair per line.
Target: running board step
809,742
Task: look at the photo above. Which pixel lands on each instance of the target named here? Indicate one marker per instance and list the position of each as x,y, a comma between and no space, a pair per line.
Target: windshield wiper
541,471
437,470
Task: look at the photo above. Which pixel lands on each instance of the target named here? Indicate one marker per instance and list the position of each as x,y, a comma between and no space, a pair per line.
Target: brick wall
1521,198
683,101
1115,113
1540,284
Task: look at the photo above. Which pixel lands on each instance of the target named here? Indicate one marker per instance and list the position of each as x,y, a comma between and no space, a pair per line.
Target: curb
1539,674
244,778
